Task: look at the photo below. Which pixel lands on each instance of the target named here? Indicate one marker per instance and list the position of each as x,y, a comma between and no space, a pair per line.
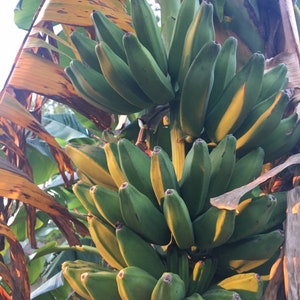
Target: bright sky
11,38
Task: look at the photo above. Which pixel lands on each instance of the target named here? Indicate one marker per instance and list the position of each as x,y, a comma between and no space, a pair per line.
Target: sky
11,38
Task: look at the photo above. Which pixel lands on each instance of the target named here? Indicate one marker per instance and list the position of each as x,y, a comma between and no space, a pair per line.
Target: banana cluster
125,73
160,237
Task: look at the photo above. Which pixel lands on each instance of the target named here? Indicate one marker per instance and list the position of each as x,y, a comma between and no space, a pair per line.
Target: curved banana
135,283
196,37
137,252
178,219
169,286
247,254
195,178
196,90
252,216
109,32
119,76
247,168
135,165
273,81
91,160
184,18
144,69
225,69
261,120
249,285
223,158
148,32
213,228
107,203
104,238
142,216
221,294
113,163
237,100
101,284
162,173
96,90
86,49
202,275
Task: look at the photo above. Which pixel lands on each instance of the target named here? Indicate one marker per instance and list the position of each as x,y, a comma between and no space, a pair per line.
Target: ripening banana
148,32
169,286
196,89
135,283
162,173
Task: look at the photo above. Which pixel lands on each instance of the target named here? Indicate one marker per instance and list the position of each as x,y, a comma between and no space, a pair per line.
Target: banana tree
38,75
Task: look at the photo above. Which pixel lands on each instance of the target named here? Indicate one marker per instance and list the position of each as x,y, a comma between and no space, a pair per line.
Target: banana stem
177,141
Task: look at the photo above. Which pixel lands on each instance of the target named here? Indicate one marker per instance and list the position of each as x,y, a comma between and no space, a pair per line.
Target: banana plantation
150,150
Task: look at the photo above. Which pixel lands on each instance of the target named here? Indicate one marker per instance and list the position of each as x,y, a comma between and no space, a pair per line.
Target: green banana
196,37
273,81
194,296
148,32
169,286
72,271
86,96
168,14
137,252
92,161
224,71
84,178
223,158
113,163
119,76
219,8
261,120
213,228
242,20
247,168
109,32
178,219
247,254
104,238
96,90
202,275
278,142
249,285
142,216
135,165
221,294
107,203
147,73
162,173
252,216
279,212
237,100
195,178
196,89
184,18
82,192
101,285
135,283
86,49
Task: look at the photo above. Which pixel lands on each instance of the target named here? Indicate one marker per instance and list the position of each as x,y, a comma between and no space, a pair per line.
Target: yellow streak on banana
245,137
232,113
111,152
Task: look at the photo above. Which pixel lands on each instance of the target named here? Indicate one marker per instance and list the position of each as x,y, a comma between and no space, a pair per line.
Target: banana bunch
160,237
155,228
122,72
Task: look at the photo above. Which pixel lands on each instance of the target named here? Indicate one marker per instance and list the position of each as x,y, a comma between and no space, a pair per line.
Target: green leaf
25,11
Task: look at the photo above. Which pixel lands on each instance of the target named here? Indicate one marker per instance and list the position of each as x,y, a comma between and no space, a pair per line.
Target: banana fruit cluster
160,237
156,230
126,73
